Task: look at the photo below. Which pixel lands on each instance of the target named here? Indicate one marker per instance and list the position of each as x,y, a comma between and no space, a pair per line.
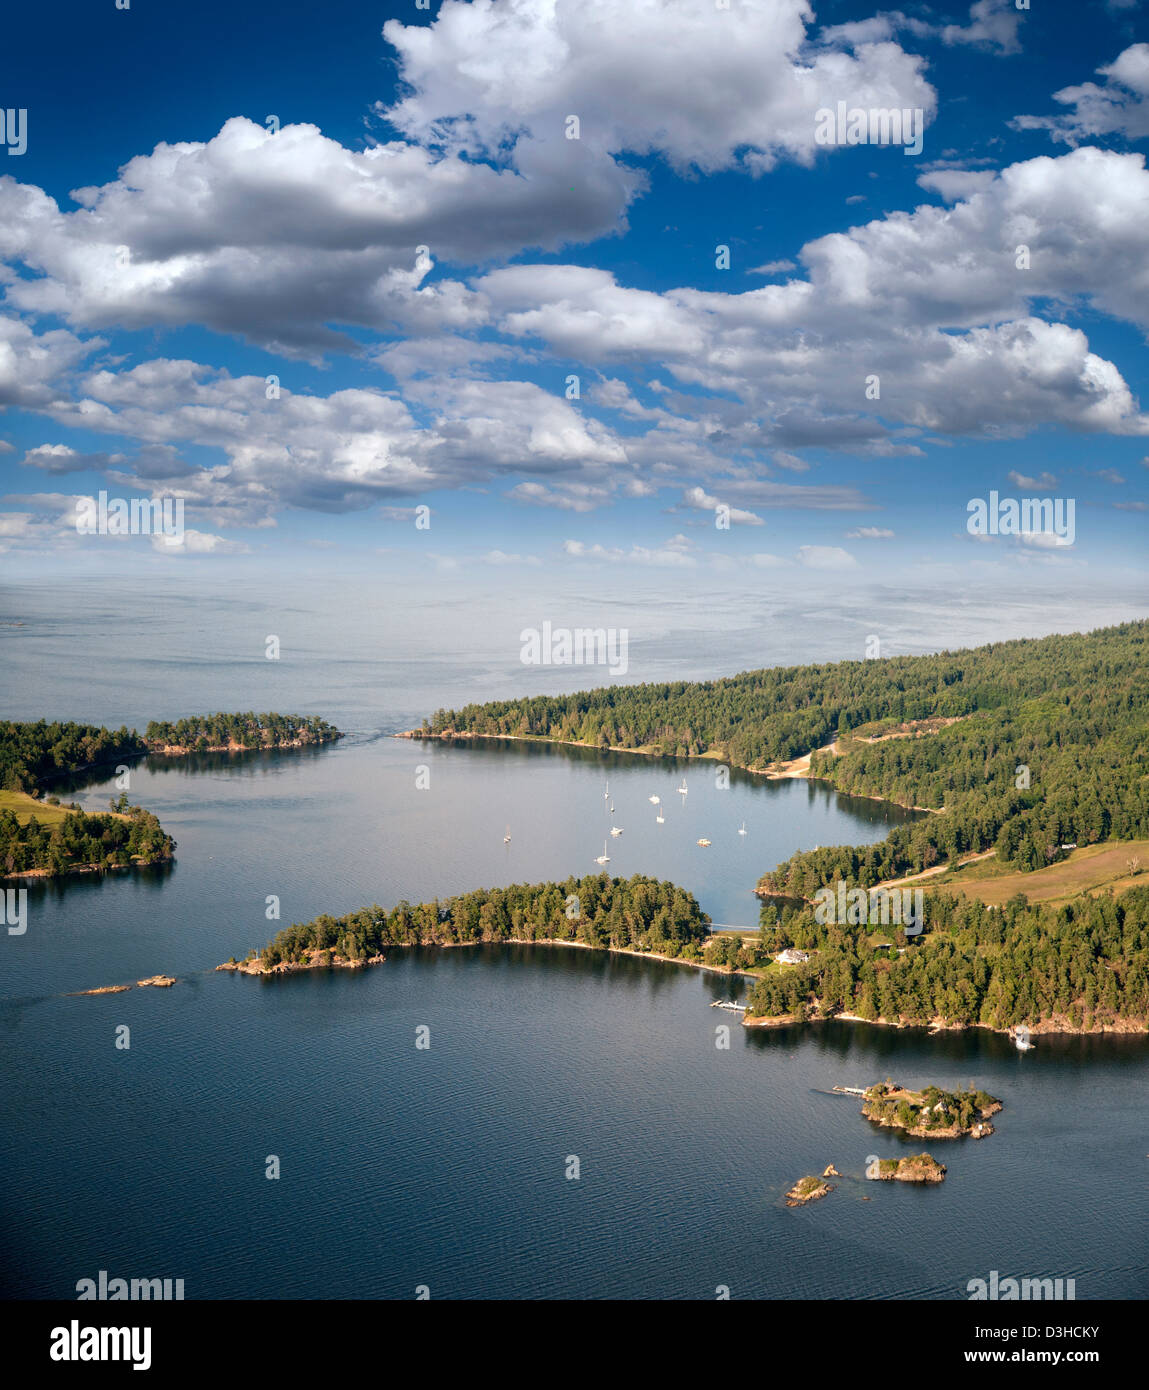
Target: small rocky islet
930,1112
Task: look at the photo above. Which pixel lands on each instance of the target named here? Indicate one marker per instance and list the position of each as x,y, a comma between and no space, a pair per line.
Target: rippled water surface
447,1167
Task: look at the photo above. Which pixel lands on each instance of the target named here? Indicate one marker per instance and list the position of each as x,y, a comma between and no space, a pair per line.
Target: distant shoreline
786,771
1054,1027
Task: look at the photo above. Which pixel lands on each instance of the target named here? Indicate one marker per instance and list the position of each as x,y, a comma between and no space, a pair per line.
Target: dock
849,1090
726,1004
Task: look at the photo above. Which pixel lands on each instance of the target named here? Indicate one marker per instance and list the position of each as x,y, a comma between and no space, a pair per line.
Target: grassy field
26,806
1093,869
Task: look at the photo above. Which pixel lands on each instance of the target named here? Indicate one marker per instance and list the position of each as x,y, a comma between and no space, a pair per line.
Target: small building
792,956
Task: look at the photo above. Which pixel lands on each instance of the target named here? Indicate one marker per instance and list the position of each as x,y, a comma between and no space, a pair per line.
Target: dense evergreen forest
31,753
637,913
1086,963
249,730
1050,747
83,841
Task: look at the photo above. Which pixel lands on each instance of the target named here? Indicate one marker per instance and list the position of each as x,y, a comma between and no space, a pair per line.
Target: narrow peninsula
639,915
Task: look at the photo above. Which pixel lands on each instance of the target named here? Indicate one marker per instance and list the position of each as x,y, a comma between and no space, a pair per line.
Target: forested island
41,837
637,914
222,733
931,1111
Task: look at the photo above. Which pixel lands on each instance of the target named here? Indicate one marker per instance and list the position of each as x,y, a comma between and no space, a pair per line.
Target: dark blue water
447,1167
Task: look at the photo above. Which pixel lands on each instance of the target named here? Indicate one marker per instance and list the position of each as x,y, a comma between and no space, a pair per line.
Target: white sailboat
742,829
616,830
660,818
654,800
603,858
682,789
507,836
612,808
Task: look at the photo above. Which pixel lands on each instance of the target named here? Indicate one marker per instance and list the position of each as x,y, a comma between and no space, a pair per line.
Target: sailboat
616,830
612,808
742,829
606,793
603,858
660,818
682,789
654,800
507,836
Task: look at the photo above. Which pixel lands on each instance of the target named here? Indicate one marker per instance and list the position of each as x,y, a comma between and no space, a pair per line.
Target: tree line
83,841
1086,963
637,913
34,752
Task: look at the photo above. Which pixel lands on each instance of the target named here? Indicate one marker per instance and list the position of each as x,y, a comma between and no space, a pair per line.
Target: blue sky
164,252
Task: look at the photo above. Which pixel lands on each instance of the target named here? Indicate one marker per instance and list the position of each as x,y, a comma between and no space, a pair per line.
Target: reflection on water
445,1166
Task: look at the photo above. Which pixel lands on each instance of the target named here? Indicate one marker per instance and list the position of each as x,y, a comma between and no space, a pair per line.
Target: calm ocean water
447,1167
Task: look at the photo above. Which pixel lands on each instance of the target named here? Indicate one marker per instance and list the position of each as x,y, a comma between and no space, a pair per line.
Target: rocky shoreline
254,966
808,1189
886,1094
914,1168
182,750
1051,1026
